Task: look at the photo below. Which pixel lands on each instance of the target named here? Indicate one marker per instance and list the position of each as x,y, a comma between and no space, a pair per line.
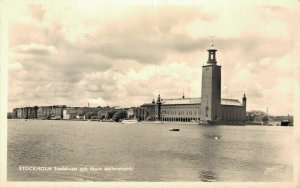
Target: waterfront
147,152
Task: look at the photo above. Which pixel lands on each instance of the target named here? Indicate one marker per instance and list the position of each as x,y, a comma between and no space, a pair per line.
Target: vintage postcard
149,93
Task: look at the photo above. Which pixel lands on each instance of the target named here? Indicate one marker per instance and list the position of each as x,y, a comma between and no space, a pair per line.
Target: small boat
129,121
286,122
174,129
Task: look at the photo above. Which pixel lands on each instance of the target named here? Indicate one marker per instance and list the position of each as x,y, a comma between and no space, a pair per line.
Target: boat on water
286,122
129,121
174,129
54,118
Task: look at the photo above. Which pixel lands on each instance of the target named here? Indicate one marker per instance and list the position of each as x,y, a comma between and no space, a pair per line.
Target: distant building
76,112
130,112
106,112
80,117
64,112
90,112
9,115
47,112
102,113
25,112
208,108
38,112
72,112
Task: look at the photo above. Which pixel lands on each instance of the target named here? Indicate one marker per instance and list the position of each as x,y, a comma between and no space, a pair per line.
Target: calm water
144,152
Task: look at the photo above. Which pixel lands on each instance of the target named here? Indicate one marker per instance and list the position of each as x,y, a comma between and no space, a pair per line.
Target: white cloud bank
74,53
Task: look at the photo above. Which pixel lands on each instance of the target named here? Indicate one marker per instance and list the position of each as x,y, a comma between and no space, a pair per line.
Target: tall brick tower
211,88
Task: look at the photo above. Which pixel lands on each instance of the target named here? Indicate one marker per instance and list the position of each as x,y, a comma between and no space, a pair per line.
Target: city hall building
209,108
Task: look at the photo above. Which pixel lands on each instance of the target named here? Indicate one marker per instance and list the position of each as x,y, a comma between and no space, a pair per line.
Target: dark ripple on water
208,176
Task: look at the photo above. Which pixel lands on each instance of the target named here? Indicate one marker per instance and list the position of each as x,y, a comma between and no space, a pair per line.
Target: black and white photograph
149,93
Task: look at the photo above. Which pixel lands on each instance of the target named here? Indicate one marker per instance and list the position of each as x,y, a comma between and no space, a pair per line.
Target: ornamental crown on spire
212,53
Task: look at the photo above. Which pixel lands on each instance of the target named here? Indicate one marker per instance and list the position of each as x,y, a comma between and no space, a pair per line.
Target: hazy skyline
124,54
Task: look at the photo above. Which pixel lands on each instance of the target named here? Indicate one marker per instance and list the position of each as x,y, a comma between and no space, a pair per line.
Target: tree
119,115
102,117
88,115
110,114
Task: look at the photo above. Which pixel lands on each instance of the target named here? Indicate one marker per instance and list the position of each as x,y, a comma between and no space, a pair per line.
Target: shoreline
162,123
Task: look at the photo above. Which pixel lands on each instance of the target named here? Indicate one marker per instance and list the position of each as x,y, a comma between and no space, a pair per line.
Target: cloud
36,49
15,66
36,11
153,80
75,53
146,35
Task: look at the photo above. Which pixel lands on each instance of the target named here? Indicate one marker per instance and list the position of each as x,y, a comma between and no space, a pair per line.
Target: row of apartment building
39,112
64,112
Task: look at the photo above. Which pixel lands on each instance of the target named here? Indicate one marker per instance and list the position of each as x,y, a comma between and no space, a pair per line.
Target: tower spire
244,100
158,99
212,52
212,40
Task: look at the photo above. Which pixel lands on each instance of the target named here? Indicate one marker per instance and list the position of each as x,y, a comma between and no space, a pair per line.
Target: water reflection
212,136
208,176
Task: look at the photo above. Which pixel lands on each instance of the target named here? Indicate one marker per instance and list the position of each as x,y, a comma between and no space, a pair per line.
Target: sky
113,53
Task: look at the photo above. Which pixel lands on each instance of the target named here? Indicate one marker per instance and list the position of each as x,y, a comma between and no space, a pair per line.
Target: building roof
234,102
188,101
148,104
182,101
